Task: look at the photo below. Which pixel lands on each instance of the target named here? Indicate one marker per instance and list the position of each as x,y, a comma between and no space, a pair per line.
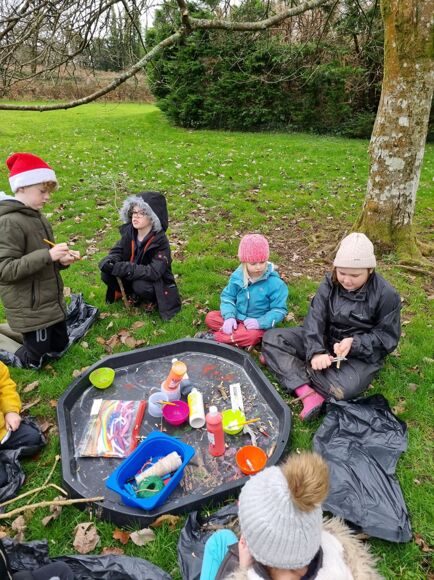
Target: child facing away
355,314
254,299
283,534
142,258
13,433
31,287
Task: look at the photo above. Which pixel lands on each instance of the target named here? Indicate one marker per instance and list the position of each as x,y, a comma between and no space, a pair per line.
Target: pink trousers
240,337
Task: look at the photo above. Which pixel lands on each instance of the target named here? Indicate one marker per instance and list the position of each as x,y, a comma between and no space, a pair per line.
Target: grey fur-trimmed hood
127,207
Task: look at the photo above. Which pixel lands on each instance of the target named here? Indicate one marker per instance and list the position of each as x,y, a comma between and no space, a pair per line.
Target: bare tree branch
89,14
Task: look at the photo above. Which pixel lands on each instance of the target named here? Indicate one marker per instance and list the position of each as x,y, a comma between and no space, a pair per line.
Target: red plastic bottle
216,436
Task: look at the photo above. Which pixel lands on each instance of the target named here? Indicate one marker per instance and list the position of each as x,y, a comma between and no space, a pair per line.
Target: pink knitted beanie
253,248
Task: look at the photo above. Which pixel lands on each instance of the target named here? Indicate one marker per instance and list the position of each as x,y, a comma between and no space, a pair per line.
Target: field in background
302,191
84,82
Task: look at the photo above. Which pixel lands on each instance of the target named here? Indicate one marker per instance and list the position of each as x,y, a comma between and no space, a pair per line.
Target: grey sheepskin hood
135,200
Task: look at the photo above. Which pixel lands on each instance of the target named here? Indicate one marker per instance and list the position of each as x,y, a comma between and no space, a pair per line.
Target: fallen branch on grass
42,504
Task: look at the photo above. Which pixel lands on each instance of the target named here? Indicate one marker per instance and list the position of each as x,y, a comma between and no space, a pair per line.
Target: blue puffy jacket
264,299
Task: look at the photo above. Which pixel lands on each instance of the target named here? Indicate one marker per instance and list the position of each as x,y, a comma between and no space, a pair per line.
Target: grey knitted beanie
277,533
355,251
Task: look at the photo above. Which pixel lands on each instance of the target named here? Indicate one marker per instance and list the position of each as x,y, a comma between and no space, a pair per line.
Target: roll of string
149,486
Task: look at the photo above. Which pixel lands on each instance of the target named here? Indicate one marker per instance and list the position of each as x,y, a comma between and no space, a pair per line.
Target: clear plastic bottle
216,436
197,412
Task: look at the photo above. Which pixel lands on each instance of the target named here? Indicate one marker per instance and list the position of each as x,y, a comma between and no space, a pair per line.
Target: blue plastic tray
155,445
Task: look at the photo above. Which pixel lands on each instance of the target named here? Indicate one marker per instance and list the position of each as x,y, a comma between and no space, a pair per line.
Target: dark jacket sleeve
152,271
315,322
384,336
116,253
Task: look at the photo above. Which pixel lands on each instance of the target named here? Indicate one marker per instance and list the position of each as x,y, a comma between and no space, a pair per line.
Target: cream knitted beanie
355,251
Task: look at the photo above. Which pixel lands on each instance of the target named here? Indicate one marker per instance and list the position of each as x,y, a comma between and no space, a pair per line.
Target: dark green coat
31,288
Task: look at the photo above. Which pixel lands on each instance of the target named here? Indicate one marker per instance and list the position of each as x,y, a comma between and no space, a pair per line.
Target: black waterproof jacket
370,315
154,267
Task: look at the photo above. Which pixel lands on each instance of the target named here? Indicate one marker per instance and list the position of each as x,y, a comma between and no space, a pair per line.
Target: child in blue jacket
254,299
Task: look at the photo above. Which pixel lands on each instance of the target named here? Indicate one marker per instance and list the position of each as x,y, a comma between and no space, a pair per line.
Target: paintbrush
235,425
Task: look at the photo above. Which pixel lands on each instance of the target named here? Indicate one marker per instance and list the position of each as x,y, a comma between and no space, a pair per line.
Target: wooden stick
50,243
42,504
167,403
37,490
124,295
56,461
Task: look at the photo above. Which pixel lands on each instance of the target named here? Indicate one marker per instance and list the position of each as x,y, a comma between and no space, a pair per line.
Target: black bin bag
33,555
194,534
361,441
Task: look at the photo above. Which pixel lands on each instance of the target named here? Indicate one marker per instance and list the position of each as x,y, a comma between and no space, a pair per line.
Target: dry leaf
412,387
30,404
103,315
142,537
137,324
77,373
100,340
422,544
66,291
19,526
168,519
3,532
115,551
55,510
290,316
86,538
31,387
121,535
45,426
84,344
53,403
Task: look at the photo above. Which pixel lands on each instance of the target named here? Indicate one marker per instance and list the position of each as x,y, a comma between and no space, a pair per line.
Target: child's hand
71,257
229,325
245,556
59,251
12,421
343,348
251,324
320,362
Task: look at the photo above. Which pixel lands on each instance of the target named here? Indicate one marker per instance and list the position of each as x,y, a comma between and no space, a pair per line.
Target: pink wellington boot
312,402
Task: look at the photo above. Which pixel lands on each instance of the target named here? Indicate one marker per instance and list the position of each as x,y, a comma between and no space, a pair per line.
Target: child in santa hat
254,299
31,287
352,324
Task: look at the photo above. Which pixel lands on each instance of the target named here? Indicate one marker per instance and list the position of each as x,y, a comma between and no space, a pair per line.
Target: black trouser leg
283,349
144,290
42,341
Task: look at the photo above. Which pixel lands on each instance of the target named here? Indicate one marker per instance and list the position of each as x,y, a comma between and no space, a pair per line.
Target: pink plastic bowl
176,415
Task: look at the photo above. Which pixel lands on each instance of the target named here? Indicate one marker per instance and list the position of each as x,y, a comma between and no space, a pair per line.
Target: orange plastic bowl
251,459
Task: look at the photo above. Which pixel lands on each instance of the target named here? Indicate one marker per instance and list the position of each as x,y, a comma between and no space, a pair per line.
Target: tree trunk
398,138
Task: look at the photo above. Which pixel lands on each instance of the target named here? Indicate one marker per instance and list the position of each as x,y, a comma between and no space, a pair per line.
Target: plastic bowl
229,417
251,459
102,378
176,415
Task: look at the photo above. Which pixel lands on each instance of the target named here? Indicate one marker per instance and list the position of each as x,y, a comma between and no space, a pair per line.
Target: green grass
304,190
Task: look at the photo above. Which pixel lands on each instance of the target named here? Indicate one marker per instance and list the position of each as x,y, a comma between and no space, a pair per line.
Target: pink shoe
312,402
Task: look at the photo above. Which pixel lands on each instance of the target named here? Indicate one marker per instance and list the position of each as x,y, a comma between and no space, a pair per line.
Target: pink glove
229,325
251,324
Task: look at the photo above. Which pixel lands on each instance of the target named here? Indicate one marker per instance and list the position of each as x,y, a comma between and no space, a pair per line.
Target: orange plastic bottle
216,436
175,375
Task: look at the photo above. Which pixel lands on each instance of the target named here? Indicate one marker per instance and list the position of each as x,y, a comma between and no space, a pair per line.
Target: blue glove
229,325
251,324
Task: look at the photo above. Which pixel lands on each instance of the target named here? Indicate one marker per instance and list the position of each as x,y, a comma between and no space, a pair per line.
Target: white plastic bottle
197,411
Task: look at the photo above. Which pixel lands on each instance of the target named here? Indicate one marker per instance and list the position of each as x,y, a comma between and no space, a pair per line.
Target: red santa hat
28,169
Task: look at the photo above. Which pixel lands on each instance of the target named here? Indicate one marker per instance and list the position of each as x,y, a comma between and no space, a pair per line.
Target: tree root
42,504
